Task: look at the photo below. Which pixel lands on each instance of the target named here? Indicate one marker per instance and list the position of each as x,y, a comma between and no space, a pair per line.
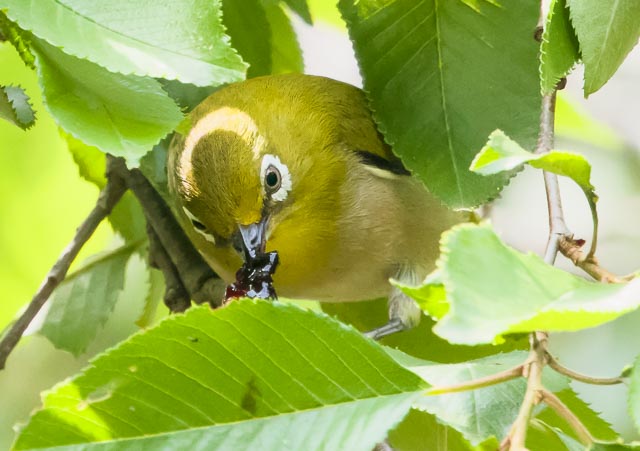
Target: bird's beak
252,239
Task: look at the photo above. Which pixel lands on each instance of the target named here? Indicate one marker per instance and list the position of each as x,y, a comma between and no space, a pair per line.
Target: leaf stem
553,363
109,197
486,381
570,248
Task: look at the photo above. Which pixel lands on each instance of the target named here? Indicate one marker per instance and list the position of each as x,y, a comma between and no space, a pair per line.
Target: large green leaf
300,7
607,31
252,375
493,290
15,107
482,413
435,74
559,51
121,115
82,303
173,39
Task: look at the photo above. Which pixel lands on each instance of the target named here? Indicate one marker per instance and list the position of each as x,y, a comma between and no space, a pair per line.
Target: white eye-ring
276,178
199,226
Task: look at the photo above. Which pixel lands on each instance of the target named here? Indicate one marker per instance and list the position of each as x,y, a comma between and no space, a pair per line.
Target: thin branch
561,409
176,297
108,198
486,381
515,440
570,248
553,363
196,275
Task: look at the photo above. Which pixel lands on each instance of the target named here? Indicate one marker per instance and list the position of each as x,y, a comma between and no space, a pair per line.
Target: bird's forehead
226,119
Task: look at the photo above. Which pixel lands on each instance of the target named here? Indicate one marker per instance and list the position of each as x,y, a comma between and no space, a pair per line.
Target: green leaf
559,51
180,39
247,24
91,161
495,290
121,115
421,431
607,31
501,153
18,38
251,375
482,413
15,107
155,293
598,427
286,53
435,74
301,8
431,295
634,393
82,303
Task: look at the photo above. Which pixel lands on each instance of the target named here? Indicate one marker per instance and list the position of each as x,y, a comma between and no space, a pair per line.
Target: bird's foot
394,325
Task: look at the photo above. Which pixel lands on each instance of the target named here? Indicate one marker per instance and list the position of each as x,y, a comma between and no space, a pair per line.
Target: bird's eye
272,179
198,225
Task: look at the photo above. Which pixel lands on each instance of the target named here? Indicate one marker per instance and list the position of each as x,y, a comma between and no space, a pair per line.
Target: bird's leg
404,314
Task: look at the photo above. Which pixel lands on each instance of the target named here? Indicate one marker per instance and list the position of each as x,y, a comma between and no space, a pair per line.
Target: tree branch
197,277
553,363
108,198
176,297
570,248
492,379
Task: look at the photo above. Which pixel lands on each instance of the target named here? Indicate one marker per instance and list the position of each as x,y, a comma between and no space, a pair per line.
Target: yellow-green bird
294,164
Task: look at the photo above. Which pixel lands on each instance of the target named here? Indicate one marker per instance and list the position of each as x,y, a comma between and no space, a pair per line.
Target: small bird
295,164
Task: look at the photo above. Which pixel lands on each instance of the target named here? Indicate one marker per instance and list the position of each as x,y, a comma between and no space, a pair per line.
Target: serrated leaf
482,413
251,375
433,71
421,431
501,153
250,33
431,295
177,39
82,303
286,53
18,38
495,290
598,427
559,50
607,31
121,115
15,107
155,292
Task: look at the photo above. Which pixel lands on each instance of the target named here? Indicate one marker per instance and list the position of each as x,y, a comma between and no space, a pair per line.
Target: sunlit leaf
495,290
286,53
252,375
435,74
177,39
634,394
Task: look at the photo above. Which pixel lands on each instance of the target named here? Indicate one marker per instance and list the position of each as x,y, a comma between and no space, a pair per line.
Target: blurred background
42,200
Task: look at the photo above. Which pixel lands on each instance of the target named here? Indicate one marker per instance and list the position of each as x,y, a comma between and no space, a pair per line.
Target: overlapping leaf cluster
441,75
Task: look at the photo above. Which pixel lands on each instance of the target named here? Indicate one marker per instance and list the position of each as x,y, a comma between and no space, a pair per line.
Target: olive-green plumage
343,224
